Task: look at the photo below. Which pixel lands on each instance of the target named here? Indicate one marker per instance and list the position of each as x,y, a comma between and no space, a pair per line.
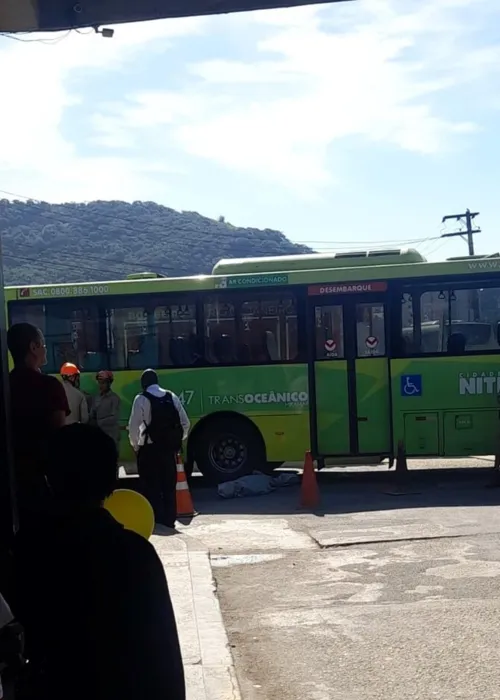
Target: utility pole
468,218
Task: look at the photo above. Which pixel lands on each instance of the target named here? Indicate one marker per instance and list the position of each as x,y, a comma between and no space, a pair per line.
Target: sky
346,126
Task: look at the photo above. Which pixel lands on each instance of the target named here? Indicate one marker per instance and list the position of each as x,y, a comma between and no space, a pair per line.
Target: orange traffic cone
309,492
185,508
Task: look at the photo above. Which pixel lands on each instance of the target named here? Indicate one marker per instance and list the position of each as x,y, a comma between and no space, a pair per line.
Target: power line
375,245
101,259
51,264
434,249
395,241
48,40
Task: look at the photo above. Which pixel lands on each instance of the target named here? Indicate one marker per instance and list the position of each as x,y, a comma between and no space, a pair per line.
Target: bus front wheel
227,449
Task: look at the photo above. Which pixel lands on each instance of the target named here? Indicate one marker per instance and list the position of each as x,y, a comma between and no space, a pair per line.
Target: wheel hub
227,454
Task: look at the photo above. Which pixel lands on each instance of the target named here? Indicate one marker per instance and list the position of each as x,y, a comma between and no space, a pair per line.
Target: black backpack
164,429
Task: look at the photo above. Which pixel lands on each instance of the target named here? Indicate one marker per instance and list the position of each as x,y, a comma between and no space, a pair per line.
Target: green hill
108,240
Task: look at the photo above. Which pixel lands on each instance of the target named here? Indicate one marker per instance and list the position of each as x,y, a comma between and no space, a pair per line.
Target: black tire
228,448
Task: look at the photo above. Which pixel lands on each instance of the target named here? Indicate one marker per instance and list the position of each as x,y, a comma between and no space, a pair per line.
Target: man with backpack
158,424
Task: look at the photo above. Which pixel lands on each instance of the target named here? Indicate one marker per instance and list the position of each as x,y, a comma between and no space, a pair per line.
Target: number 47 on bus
186,397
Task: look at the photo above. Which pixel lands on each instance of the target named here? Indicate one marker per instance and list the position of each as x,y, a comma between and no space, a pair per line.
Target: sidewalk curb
208,663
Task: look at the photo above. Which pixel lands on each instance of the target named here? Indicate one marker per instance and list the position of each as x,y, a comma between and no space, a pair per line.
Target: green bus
345,355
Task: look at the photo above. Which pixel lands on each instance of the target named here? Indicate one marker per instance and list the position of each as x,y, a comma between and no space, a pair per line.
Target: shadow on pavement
343,492
350,492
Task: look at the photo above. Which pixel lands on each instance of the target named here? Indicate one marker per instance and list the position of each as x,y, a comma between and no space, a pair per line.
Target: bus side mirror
498,333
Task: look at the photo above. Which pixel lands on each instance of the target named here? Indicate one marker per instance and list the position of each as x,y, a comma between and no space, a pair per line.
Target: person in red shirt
38,407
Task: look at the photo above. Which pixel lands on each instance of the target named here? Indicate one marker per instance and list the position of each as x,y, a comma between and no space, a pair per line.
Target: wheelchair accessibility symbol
411,385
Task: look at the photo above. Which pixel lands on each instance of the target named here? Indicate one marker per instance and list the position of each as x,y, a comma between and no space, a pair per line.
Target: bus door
349,375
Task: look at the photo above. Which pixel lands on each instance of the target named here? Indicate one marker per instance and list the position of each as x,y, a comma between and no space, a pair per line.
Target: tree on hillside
72,242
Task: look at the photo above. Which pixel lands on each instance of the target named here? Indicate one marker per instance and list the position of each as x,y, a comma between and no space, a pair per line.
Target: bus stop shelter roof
55,15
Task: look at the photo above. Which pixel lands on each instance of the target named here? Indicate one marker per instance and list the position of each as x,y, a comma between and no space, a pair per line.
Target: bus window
85,339
329,332
431,337
220,330
457,321
370,326
268,330
176,334
71,334
475,314
435,323
131,338
434,309
22,312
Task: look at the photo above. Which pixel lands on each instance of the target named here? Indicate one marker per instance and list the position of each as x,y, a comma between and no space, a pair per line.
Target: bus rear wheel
227,449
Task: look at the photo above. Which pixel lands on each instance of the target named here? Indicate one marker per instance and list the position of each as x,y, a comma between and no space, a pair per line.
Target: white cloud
374,80
379,70
227,72
290,17
296,83
35,94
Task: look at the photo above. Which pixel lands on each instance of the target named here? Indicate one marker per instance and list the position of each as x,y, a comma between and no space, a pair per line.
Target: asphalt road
129,469
372,596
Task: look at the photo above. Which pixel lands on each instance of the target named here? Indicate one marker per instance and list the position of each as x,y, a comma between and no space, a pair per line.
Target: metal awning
56,15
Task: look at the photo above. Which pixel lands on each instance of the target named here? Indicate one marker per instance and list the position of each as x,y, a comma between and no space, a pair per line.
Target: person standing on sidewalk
105,411
38,407
77,402
158,424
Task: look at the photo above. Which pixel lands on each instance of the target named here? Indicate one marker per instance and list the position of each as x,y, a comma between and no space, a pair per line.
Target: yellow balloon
132,510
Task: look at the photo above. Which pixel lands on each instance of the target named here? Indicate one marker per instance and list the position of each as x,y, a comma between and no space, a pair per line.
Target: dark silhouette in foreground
92,596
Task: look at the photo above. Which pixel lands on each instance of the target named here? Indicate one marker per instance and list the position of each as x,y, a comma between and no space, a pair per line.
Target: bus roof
287,270
317,261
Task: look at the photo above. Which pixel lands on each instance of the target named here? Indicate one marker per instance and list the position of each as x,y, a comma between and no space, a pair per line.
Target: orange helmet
105,375
69,370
